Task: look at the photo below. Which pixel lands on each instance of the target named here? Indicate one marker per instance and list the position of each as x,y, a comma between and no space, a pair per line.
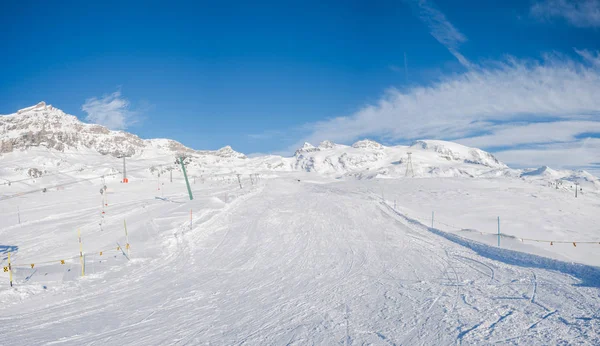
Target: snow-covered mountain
369,159
562,179
48,127
42,139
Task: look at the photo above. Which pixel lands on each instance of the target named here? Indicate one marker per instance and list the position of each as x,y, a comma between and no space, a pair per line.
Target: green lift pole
186,178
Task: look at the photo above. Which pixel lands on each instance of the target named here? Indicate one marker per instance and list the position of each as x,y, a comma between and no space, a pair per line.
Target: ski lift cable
8,182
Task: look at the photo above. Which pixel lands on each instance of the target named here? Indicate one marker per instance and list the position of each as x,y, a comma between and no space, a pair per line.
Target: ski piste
334,244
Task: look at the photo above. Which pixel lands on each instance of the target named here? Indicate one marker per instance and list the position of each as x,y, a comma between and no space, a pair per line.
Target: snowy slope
280,262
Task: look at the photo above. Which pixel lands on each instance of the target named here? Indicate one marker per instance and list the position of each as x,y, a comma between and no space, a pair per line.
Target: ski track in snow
297,263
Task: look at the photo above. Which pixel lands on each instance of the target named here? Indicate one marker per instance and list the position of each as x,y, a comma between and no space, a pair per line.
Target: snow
327,145
334,245
367,144
457,152
543,171
278,262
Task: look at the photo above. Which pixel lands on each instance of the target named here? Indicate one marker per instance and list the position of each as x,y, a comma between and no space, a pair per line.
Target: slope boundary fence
456,229
22,271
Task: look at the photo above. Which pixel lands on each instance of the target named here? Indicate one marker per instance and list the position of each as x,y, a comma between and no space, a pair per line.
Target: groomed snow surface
295,260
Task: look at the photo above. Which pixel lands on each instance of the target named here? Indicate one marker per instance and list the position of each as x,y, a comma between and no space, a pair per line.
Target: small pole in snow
239,181
81,253
394,204
19,214
576,187
10,271
126,238
171,175
102,199
432,215
498,231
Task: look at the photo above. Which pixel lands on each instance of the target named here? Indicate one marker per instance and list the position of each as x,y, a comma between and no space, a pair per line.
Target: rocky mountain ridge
45,126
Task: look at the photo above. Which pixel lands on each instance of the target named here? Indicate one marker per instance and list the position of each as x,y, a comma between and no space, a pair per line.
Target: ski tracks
492,297
300,263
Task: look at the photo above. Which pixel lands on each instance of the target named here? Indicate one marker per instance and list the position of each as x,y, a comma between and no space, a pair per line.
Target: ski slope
288,260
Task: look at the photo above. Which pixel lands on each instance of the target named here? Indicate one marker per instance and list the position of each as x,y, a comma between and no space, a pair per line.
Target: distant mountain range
45,131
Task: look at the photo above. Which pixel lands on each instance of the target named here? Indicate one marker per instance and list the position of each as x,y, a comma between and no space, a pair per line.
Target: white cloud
582,153
441,29
579,13
111,111
507,103
590,57
532,133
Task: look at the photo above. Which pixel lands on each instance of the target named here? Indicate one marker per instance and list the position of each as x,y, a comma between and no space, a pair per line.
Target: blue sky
520,78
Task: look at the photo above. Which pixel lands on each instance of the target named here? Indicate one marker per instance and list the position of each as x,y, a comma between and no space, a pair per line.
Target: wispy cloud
511,103
110,110
532,133
579,13
440,28
590,56
570,155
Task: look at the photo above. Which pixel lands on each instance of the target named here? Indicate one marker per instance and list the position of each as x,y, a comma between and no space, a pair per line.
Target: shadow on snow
588,275
5,249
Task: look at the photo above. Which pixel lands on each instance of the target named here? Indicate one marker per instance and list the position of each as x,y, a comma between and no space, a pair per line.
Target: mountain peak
227,151
458,152
541,171
306,148
41,106
45,126
327,145
367,144
41,114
